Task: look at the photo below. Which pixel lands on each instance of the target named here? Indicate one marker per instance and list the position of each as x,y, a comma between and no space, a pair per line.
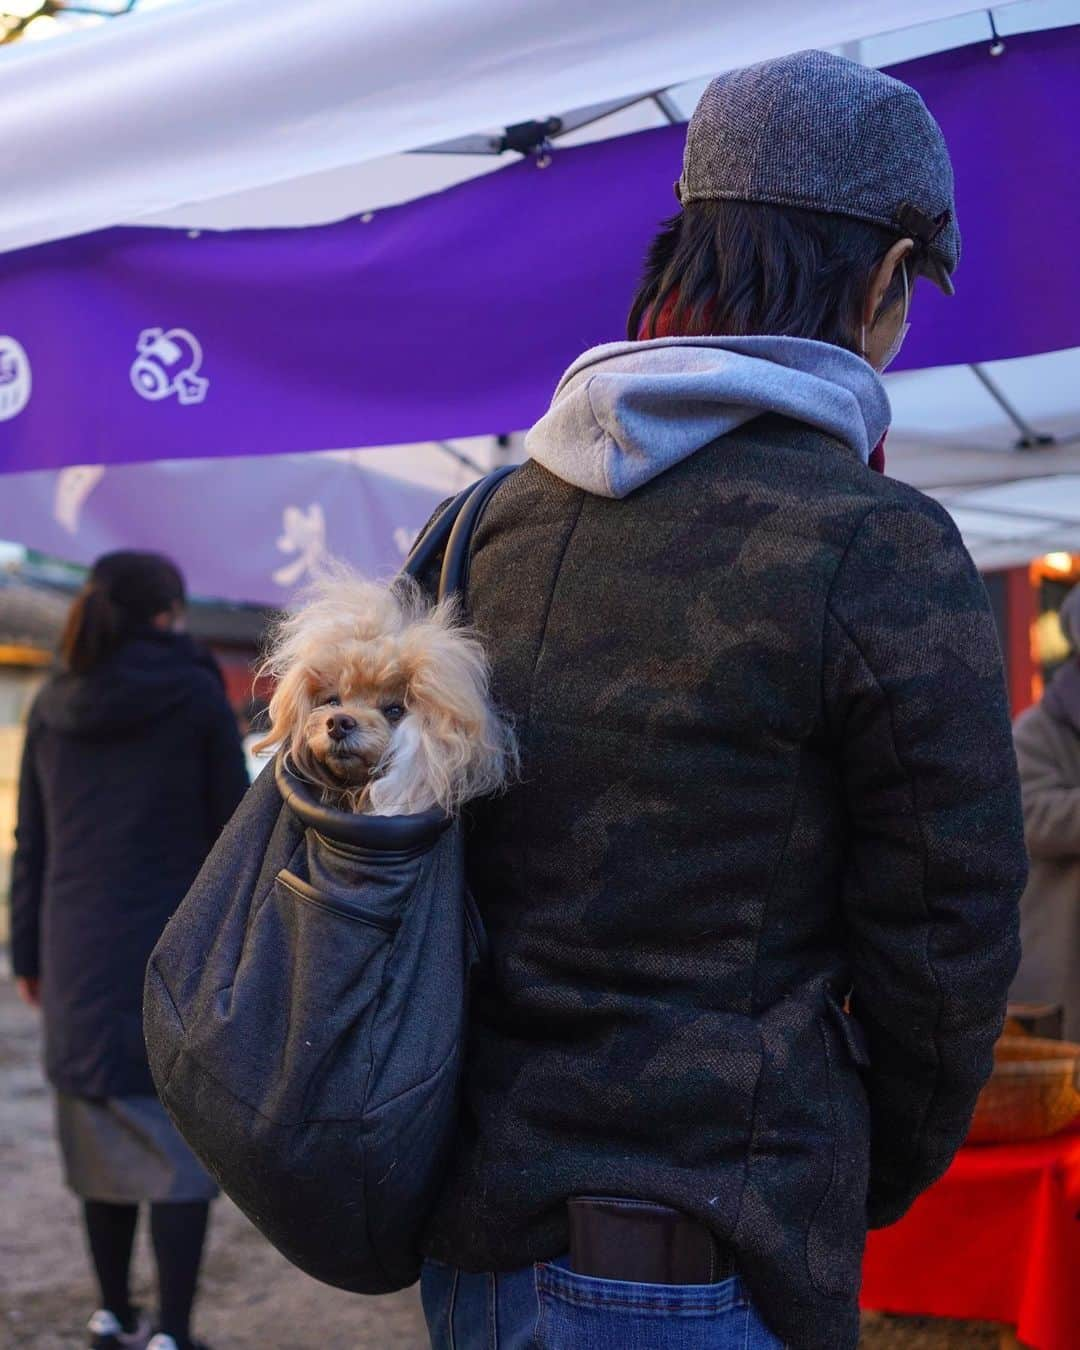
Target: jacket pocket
306,989
850,1030
336,905
837,1234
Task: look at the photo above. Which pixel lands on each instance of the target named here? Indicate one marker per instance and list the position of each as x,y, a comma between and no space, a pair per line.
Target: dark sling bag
305,1007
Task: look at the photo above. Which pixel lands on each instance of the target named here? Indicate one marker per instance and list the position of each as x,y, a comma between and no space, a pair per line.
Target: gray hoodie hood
625,412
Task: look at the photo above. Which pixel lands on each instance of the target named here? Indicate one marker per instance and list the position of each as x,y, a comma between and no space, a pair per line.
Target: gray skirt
126,1150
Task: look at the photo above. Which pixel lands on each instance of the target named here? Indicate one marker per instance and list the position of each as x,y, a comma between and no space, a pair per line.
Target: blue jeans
548,1307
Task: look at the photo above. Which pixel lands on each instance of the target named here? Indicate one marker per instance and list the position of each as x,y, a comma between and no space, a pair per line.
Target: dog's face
382,700
349,734
350,738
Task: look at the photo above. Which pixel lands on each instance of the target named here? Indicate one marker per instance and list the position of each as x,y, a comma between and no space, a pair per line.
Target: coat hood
149,676
625,412
1062,697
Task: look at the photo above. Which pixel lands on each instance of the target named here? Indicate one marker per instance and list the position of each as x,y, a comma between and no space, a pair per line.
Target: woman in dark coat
132,765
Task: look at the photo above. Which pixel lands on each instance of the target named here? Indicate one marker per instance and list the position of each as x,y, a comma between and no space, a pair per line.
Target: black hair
736,268
125,591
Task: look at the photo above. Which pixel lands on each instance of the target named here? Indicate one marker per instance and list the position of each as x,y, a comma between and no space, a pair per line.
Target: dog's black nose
338,726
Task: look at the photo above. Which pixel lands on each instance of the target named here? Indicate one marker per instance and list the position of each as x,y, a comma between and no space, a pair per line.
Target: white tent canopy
194,101
251,113
951,439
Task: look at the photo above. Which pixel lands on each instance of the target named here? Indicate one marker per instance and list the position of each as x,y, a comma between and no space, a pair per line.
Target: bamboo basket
1032,1092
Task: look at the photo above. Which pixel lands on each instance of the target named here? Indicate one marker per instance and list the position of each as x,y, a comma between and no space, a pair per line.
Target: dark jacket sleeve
935,862
28,867
226,770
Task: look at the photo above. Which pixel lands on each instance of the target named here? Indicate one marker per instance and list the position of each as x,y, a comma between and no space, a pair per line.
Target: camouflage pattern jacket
767,776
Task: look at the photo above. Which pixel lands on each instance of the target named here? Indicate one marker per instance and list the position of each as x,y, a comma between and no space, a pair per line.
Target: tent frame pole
466,461
667,106
1030,439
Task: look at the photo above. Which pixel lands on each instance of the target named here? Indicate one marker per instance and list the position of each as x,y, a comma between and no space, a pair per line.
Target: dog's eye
393,712
332,702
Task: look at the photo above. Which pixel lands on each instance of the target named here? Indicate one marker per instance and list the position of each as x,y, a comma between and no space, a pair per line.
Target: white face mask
901,333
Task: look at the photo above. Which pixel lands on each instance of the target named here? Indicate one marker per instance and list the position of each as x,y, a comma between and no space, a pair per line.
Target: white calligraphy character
305,535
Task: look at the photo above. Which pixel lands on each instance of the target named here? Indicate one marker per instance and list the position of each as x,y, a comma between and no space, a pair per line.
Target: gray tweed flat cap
821,132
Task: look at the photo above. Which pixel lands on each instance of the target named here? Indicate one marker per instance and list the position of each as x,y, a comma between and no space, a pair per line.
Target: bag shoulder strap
451,535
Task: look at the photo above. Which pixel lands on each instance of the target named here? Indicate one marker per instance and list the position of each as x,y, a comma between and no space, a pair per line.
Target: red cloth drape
997,1238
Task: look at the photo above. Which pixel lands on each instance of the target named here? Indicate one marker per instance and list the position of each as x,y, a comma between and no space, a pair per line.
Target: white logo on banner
14,379
168,363
73,486
305,535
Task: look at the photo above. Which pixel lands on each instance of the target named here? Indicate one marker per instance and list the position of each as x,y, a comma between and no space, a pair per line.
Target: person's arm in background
226,771
1051,801
27,877
936,863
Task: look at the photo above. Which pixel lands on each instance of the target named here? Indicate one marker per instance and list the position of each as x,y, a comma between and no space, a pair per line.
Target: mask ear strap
907,309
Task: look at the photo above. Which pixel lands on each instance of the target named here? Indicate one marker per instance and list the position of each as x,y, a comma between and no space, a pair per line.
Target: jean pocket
577,1312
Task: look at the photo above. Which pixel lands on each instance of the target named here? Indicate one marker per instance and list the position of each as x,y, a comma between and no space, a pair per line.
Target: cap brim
938,274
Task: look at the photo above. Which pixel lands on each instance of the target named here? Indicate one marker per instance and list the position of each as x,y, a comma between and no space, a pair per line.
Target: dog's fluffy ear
290,706
459,744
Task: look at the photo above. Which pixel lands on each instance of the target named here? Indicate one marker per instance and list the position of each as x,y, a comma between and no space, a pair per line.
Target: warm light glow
20,9
11,654
1059,562
1050,644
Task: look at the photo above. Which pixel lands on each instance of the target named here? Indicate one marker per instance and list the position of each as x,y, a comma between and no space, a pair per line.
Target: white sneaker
165,1342
106,1333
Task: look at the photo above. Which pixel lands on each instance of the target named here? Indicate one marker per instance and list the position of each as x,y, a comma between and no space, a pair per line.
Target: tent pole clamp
997,44
531,138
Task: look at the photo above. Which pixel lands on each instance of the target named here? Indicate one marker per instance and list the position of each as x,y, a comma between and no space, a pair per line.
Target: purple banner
1012,124
455,315
239,530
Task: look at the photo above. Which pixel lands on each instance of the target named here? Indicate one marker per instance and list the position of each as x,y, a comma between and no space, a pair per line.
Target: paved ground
252,1298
